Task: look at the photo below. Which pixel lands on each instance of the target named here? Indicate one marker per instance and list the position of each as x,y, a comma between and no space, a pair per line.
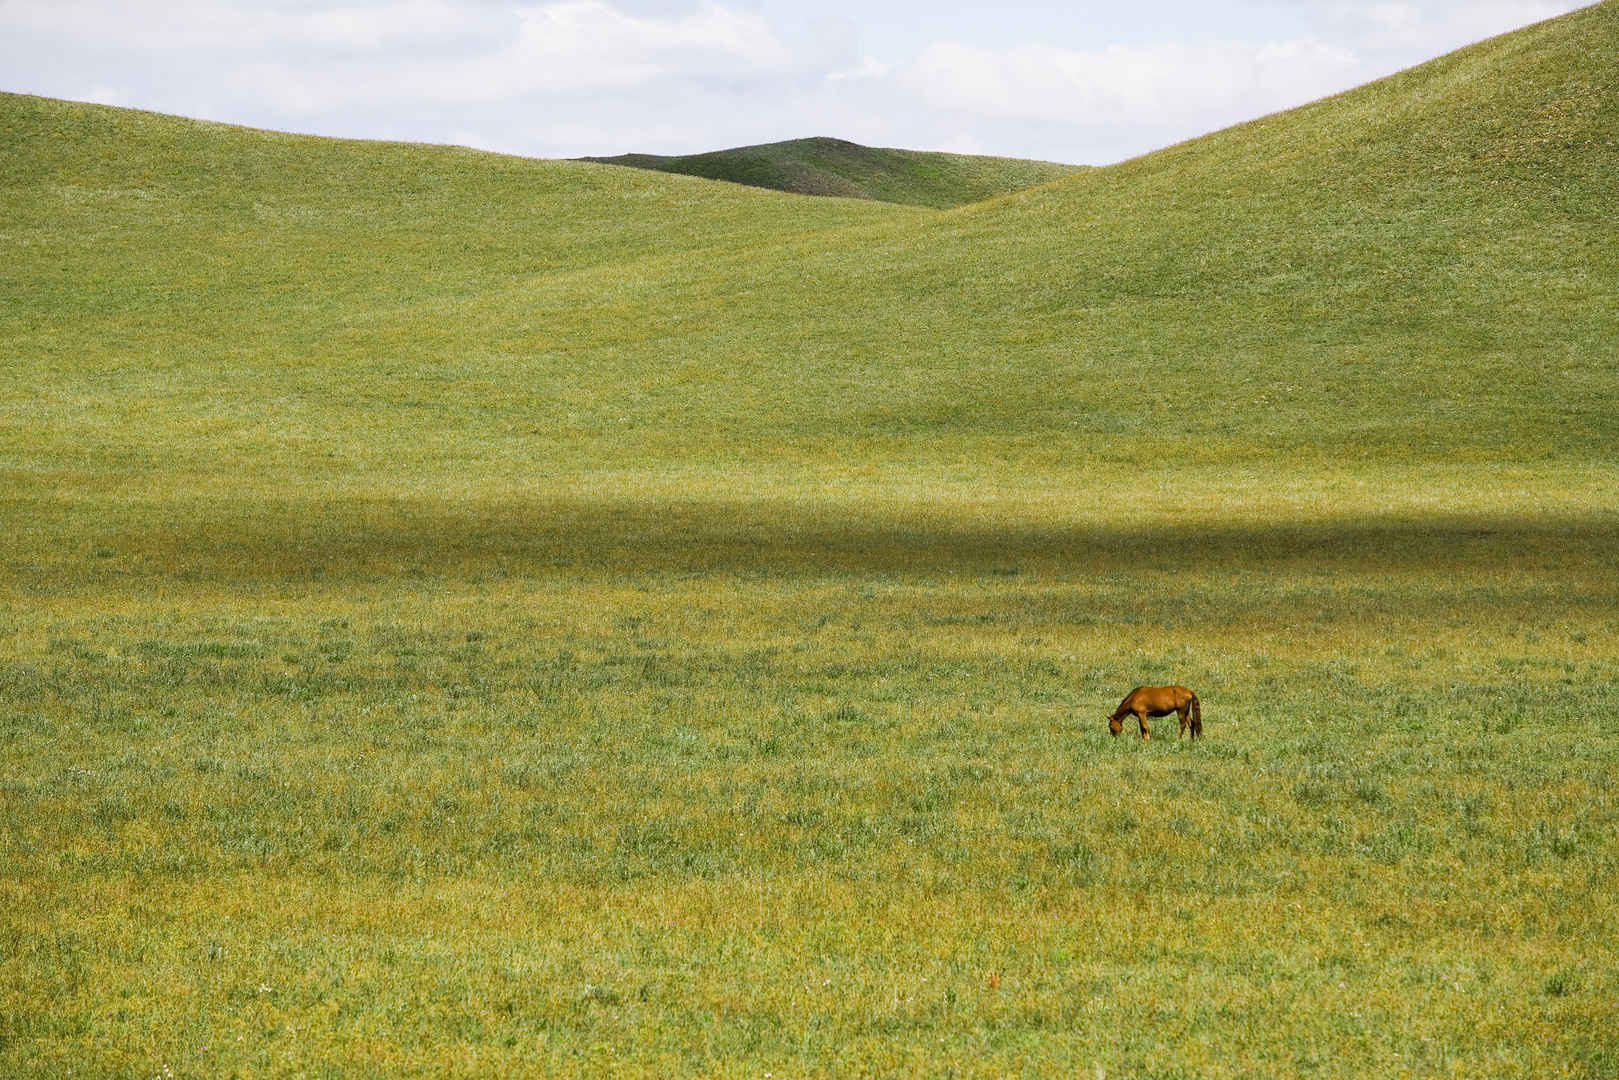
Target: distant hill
823,166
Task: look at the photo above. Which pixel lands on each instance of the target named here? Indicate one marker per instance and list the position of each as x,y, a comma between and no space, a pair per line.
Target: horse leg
1141,718
1183,712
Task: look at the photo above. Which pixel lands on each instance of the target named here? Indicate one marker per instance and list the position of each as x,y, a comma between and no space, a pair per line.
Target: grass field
466,616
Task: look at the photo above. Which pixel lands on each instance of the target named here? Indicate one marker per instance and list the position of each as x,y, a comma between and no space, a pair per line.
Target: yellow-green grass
523,616
825,166
682,785
821,813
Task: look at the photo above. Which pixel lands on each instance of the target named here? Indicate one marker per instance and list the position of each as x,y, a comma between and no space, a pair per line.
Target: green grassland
462,615
823,166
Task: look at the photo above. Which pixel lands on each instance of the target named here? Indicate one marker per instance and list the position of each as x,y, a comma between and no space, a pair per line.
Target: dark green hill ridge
824,166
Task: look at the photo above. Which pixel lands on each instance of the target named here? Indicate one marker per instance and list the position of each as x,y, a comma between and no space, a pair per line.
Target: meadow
820,795
466,616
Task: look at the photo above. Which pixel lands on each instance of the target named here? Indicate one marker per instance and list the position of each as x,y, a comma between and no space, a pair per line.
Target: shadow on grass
243,543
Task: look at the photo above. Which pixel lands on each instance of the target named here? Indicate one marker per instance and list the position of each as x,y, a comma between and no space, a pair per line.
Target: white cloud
866,69
1165,89
589,45
181,26
582,43
573,77
304,63
553,50
377,27
1431,27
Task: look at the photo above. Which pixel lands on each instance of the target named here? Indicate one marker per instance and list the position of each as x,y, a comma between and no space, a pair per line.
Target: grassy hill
463,614
823,166
1414,272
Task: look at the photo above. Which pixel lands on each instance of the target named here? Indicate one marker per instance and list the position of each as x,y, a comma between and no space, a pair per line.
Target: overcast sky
1080,82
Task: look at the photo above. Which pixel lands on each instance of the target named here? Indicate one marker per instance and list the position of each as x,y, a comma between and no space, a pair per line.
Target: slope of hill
1419,270
134,212
823,166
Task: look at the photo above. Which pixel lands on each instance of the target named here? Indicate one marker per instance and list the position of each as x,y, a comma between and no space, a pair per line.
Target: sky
1079,82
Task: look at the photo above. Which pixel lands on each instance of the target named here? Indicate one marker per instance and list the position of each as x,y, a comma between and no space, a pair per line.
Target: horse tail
1197,717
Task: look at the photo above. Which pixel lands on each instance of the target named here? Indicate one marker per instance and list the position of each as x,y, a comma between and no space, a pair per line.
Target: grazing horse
1145,701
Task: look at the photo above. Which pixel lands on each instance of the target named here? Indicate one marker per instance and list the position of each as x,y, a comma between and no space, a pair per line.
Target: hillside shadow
255,542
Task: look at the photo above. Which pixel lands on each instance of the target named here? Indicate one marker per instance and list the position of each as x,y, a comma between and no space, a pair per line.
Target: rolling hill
824,166
1418,271
468,616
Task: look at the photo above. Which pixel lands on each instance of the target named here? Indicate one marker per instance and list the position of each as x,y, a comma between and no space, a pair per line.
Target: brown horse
1145,701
